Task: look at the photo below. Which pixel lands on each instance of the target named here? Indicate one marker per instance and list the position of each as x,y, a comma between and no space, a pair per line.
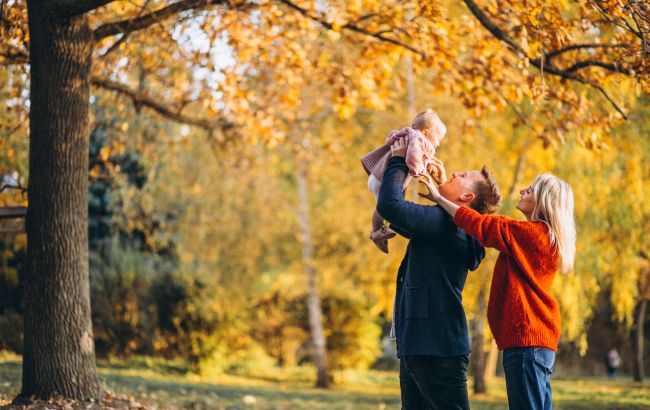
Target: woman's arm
490,230
434,195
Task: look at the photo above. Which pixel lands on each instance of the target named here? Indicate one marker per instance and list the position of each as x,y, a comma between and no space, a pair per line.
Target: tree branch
625,26
124,36
144,99
352,27
613,67
537,62
115,45
142,22
493,28
14,56
571,47
75,7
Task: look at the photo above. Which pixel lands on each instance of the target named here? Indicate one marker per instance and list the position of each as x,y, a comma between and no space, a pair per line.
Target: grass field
167,387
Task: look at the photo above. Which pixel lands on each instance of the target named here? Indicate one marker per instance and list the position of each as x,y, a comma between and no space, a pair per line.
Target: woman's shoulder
534,227
535,233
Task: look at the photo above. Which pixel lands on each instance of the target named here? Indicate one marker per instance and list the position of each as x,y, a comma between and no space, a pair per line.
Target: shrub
120,278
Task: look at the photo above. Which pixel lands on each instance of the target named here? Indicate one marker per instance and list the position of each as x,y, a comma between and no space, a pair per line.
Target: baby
424,136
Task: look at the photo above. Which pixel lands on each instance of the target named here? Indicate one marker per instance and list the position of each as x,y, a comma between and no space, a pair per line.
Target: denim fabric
434,383
528,377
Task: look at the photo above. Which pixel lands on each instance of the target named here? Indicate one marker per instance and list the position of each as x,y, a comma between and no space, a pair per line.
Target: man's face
460,187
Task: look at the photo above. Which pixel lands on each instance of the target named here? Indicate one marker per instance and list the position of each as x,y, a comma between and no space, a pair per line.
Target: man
430,325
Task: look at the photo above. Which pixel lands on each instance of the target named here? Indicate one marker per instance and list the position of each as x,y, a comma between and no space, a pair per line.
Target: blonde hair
429,120
554,206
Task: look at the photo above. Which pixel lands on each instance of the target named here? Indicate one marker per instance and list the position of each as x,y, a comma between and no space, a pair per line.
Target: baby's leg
379,234
374,184
377,221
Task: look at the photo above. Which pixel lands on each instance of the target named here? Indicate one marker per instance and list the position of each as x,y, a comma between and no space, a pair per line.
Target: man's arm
413,218
400,231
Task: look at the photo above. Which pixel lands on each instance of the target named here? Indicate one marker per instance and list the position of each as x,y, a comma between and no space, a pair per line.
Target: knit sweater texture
521,310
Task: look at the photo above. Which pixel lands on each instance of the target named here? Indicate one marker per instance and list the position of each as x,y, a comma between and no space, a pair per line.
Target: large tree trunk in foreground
59,355
313,299
639,370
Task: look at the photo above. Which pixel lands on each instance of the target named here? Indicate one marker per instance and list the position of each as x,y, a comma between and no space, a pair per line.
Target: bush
120,278
195,321
11,332
276,327
12,279
352,336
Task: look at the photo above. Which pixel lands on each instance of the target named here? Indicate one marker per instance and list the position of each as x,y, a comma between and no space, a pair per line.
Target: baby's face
433,136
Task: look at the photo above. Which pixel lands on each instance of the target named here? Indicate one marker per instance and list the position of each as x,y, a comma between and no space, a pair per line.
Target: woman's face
526,202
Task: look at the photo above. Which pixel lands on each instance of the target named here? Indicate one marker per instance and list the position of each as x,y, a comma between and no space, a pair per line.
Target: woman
523,315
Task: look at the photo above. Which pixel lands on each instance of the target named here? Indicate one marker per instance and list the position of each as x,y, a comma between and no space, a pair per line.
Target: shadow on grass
188,394
375,391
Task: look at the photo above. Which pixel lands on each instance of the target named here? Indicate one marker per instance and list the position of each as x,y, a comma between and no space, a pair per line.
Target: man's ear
468,197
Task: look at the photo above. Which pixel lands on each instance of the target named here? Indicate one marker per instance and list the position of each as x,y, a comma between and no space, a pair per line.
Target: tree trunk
313,300
59,356
410,111
478,349
491,361
639,370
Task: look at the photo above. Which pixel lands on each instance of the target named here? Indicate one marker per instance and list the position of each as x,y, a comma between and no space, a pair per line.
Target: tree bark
478,348
491,361
639,370
313,300
59,356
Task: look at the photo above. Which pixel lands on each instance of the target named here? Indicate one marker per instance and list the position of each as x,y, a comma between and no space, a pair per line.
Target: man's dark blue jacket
429,315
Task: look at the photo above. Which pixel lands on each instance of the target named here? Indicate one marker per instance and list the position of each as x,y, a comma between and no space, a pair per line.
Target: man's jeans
434,383
528,377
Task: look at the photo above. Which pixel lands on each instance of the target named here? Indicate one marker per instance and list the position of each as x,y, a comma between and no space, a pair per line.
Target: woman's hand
437,171
398,149
434,194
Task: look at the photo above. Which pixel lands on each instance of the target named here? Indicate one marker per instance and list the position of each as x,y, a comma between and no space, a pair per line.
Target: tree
289,37
314,299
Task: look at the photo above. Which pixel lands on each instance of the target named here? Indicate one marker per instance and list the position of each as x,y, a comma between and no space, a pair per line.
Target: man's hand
398,149
437,171
434,194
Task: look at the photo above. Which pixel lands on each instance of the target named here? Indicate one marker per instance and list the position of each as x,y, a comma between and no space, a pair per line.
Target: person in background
612,362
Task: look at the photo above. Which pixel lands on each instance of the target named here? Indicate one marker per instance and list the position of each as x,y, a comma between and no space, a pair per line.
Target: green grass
165,385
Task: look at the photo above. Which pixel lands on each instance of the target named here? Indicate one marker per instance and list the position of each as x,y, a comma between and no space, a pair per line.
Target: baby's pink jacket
419,152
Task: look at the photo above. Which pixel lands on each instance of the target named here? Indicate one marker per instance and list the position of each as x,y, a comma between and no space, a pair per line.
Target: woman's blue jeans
528,377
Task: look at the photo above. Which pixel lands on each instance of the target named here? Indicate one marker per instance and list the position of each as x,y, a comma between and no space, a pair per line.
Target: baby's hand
434,194
437,171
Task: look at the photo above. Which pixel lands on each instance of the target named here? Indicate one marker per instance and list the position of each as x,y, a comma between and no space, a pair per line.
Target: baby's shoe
380,238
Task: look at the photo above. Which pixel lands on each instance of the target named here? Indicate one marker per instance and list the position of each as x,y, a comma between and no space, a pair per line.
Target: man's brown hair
488,195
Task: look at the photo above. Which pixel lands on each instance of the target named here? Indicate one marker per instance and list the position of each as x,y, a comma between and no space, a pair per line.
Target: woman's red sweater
521,310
